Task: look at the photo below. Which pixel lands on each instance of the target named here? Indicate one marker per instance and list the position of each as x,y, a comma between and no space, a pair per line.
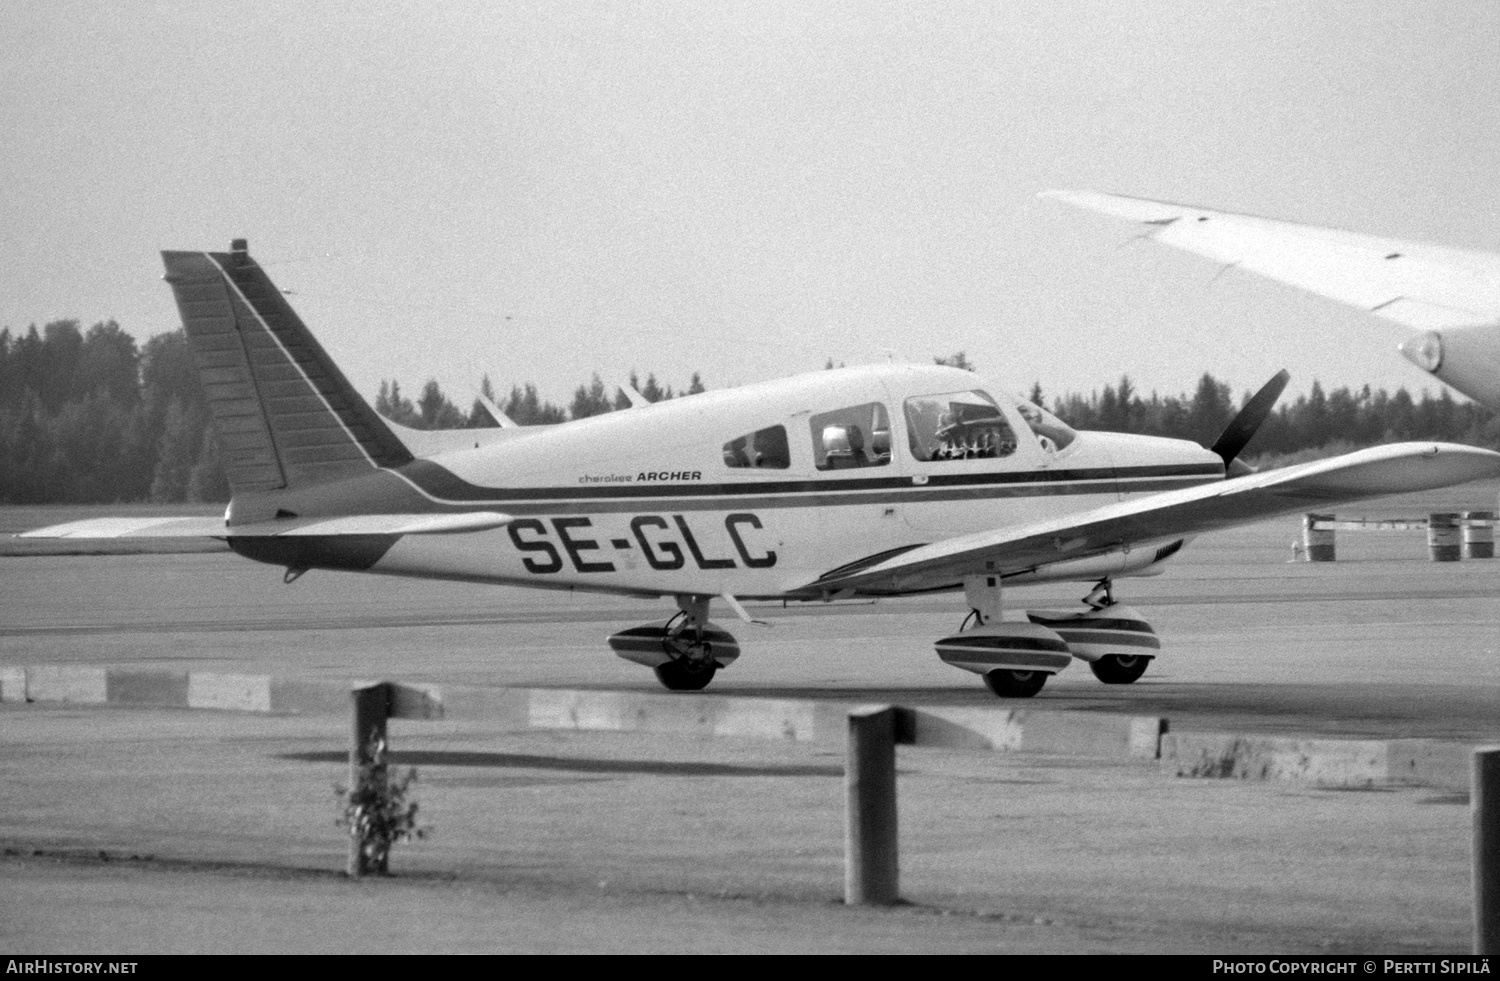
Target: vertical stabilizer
284,414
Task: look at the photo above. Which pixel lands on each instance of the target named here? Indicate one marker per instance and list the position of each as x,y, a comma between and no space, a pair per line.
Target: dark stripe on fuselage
442,482
446,486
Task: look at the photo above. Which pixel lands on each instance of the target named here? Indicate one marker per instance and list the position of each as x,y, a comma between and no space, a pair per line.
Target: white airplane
872,481
1452,296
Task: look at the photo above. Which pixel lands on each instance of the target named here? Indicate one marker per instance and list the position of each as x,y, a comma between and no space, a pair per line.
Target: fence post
1317,543
871,865
371,709
1484,803
1479,539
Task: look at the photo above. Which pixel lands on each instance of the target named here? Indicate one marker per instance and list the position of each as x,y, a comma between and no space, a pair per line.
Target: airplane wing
1452,295
209,527
1413,283
1159,519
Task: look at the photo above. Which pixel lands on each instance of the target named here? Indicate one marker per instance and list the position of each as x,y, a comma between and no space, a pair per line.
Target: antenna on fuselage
636,399
503,420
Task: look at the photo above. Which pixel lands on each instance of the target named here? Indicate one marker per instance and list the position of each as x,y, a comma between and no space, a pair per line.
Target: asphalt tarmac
147,830
1380,644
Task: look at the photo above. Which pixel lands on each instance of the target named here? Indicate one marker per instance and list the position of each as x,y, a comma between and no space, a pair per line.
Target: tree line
434,410
93,417
90,416
1318,423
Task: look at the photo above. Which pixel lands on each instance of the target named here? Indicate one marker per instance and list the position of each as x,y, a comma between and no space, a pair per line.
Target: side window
859,436
764,449
957,426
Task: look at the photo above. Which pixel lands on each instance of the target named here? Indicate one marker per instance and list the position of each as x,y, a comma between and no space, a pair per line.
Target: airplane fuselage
755,491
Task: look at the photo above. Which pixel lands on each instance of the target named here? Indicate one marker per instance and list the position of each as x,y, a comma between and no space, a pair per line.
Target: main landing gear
1016,658
685,651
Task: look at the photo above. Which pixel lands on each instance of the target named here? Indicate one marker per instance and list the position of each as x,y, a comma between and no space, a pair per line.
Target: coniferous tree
206,481
590,401
435,411
176,453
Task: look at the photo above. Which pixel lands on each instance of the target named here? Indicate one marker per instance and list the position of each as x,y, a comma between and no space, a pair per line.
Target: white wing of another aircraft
1452,295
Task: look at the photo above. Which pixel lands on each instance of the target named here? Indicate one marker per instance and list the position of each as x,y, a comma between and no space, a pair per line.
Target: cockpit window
859,436
957,426
764,449
1050,431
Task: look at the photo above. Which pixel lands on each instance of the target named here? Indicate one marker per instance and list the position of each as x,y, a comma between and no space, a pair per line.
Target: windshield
957,426
1050,431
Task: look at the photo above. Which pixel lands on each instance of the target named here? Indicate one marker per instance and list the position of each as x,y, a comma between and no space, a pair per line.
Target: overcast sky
544,191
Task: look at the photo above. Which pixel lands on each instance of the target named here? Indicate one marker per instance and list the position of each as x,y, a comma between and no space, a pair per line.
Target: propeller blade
1242,428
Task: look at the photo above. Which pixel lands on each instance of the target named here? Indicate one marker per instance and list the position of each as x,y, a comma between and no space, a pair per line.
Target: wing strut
740,611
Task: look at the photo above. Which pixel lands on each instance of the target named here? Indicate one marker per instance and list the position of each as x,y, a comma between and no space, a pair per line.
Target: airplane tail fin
284,414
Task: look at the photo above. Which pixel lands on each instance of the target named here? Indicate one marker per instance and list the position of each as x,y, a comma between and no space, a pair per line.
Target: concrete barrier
1038,731
997,729
1321,762
229,692
705,717
139,686
12,684
67,683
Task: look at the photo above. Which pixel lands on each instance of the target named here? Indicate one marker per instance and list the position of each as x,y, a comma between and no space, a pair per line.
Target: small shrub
379,811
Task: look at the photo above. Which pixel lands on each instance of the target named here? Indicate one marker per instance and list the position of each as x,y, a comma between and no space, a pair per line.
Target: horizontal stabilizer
357,524
1160,518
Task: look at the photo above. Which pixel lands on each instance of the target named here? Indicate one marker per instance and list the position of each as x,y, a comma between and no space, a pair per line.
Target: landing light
1425,351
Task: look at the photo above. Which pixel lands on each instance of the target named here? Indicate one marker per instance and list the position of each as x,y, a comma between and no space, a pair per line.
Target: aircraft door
969,456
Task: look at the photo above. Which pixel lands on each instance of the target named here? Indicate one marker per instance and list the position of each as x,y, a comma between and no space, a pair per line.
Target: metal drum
1443,537
1317,543
1479,535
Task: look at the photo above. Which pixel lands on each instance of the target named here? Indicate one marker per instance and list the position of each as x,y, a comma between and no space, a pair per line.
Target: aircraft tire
1119,669
685,676
1015,684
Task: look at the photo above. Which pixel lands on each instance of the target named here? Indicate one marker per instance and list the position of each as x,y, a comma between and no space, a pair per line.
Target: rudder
284,415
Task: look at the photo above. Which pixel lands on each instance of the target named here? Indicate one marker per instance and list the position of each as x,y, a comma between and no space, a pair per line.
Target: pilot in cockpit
856,457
